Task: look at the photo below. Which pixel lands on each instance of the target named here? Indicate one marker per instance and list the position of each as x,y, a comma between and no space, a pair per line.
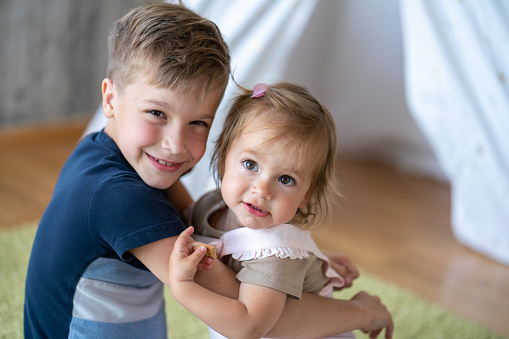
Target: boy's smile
162,133
164,166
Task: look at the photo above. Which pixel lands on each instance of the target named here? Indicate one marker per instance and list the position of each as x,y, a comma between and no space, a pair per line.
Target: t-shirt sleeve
125,213
282,274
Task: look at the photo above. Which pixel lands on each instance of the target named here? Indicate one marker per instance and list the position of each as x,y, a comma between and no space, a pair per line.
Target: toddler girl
275,161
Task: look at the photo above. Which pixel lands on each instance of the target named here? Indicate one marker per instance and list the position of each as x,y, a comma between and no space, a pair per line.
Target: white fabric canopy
350,54
457,69
261,35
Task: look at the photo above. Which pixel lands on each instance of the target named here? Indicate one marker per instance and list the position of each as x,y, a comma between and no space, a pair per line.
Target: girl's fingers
197,256
187,232
182,239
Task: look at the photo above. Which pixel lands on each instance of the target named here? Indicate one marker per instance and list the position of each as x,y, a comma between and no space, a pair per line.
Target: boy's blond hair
308,128
176,47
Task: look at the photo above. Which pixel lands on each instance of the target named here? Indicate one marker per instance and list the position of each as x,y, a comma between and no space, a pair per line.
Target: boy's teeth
162,162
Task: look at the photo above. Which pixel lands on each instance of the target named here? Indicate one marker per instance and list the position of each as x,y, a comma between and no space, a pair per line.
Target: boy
167,72
100,256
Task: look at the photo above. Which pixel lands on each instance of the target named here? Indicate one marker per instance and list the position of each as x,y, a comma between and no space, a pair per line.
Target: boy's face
162,133
264,182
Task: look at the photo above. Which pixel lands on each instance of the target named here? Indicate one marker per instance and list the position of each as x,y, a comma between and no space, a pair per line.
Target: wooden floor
393,225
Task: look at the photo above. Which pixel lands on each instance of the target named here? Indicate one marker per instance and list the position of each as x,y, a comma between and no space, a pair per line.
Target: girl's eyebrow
298,172
247,152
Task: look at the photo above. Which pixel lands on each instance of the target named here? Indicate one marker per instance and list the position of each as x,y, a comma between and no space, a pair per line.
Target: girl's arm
254,313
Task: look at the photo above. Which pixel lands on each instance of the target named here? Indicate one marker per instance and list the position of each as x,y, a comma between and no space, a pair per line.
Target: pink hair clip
259,90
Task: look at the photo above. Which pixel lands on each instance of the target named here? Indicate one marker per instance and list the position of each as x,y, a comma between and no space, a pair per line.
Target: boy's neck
109,130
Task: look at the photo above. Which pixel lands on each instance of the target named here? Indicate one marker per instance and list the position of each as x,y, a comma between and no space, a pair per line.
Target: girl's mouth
255,210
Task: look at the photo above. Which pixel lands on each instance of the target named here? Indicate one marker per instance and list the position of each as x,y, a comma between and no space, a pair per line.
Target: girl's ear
304,201
108,92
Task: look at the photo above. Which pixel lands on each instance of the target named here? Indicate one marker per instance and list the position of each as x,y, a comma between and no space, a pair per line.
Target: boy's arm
316,316
345,267
155,256
178,196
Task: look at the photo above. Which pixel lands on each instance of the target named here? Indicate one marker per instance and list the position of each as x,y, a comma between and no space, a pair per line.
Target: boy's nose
262,188
175,140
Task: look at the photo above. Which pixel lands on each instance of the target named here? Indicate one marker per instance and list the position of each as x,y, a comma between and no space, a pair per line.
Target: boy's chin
161,184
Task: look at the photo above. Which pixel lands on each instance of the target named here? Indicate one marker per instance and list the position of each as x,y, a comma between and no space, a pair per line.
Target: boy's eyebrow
158,103
167,106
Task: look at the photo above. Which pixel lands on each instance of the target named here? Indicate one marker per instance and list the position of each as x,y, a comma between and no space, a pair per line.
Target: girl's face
162,133
264,182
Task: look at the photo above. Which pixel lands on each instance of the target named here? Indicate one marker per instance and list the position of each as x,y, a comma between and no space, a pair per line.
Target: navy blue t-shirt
82,279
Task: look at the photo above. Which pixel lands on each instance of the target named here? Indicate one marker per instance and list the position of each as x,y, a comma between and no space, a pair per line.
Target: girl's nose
262,188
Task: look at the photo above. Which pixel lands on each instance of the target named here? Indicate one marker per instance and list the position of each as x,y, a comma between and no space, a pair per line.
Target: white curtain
457,73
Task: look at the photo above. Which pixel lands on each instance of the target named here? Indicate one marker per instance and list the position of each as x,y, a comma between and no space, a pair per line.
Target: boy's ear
108,92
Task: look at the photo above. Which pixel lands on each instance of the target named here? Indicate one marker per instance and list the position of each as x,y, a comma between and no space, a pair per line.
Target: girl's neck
226,221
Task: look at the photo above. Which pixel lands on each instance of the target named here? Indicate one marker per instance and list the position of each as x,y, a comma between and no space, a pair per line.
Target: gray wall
53,57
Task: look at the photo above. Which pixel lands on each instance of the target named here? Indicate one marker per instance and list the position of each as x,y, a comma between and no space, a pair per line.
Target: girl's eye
250,165
286,180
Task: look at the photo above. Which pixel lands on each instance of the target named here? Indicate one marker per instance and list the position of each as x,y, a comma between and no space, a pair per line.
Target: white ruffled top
283,241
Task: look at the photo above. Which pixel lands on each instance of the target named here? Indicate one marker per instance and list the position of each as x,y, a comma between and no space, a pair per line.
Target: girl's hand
184,261
344,266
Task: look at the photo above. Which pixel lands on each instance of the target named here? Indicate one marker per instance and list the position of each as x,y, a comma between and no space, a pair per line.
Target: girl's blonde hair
176,47
297,115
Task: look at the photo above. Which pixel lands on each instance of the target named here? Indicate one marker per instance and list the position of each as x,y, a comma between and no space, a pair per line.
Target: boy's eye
199,123
286,180
250,165
156,113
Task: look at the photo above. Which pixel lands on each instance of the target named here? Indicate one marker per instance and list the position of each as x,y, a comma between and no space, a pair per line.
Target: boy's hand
345,267
379,318
184,261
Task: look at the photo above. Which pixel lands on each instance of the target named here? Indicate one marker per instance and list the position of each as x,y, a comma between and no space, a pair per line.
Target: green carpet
414,317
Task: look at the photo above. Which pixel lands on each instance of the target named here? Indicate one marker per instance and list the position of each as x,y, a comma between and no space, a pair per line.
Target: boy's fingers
389,331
